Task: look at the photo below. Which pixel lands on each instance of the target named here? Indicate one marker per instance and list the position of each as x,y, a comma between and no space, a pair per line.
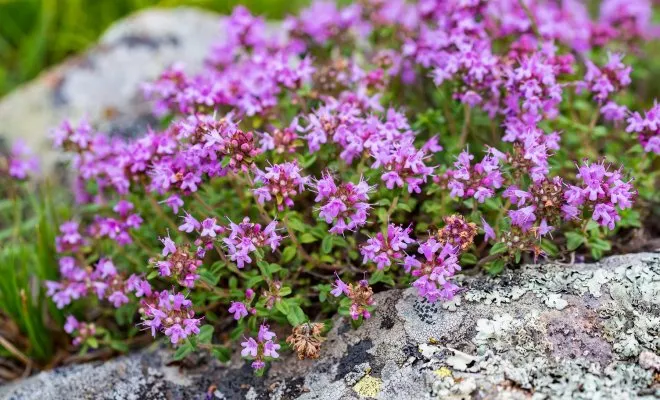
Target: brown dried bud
306,340
457,232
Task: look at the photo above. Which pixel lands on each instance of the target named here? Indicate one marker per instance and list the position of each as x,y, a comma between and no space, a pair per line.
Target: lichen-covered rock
103,84
580,331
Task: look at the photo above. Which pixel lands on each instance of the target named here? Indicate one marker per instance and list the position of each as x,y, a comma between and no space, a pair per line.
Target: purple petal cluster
385,250
344,205
262,349
246,237
477,181
170,313
76,282
178,262
403,165
360,294
602,191
281,183
434,270
647,128
117,228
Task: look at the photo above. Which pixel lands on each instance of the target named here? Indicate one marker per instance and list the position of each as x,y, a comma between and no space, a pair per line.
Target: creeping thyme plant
386,143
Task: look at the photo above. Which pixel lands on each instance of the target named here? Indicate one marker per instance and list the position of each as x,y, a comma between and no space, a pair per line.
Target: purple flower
601,190
386,250
402,164
345,205
166,312
169,247
238,309
261,348
209,228
489,232
246,237
189,224
281,182
477,181
174,202
647,128
434,271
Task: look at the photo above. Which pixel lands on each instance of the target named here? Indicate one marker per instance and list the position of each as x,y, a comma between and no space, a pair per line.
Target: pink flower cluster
281,182
647,128
178,262
601,191
77,282
81,331
434,270
170,313
385,250
262,349
241,309
117,229
360,295
246,237
344,205
22,162
479,180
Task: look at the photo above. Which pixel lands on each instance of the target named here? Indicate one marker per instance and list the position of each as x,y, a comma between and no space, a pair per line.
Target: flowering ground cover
380,144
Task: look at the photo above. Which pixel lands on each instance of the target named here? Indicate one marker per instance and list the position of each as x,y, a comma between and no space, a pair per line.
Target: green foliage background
35,34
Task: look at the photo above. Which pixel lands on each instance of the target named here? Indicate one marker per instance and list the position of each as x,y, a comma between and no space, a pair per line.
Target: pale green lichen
368,386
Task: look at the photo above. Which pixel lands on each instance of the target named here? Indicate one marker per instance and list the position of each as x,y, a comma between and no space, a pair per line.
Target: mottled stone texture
583,331
103,84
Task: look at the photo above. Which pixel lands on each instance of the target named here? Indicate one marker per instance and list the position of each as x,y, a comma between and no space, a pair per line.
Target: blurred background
35,34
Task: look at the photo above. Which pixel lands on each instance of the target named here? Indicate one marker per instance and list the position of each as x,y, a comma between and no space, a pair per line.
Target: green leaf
308,238
296,225
382,215
288,254
253,280
296,316
376,277
283,307
225,161
468,259
209,277
264,267
574,240
152,275
326,244
495,267
205,334
182,351
222,353
499,247
92,342
119,346
285,291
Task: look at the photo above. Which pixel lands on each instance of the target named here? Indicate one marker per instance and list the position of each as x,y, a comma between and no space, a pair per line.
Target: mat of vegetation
373,145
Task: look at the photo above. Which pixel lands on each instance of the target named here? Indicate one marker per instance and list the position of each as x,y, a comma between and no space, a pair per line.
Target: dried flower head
306,340
457,232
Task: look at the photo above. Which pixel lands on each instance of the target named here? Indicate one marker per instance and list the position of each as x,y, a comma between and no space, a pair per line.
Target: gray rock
553,331
103,84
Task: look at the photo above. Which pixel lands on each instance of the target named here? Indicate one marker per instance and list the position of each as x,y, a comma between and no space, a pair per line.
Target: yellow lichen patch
433,340
368,386
443,372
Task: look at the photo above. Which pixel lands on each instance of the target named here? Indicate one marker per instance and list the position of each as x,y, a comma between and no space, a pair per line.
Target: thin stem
487,259
204,204
390,211
161,213
466,126
14,351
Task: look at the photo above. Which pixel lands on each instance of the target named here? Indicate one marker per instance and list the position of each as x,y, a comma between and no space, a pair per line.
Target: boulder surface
104,83
580,331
